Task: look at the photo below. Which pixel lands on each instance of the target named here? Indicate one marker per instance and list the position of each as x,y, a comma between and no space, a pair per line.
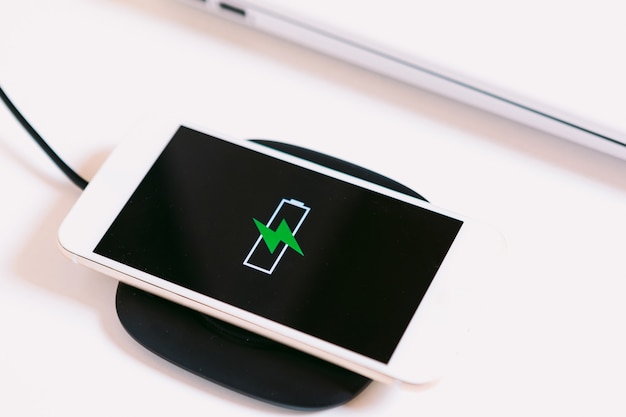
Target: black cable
79,181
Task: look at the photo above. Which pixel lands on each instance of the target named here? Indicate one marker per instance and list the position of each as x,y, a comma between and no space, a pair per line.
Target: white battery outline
284,201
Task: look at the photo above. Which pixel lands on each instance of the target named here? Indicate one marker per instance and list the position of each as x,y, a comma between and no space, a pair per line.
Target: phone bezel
422,350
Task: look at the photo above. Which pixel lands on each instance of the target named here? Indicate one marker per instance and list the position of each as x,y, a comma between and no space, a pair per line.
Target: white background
545,338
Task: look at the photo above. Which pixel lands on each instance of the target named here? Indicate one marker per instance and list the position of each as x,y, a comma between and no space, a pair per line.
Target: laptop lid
553,64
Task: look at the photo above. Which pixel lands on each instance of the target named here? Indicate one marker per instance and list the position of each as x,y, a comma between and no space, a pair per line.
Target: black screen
342,263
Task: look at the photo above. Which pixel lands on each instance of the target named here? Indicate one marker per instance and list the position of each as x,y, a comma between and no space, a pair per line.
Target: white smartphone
343,269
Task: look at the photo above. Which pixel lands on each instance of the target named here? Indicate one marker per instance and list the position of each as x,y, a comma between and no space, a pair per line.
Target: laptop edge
380,61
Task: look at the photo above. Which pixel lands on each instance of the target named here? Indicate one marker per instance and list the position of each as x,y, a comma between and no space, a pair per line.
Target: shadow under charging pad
237,359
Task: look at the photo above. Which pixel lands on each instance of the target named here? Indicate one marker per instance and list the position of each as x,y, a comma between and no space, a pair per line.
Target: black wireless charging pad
234,358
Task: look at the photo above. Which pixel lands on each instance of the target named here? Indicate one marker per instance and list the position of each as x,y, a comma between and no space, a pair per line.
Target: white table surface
545,338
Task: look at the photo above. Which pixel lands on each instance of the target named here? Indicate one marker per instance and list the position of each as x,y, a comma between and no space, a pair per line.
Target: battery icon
277,235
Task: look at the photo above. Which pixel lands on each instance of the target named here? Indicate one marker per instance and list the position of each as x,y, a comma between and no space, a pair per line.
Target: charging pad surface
234,358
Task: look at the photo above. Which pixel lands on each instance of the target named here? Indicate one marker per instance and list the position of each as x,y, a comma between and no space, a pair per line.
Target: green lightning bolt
273,238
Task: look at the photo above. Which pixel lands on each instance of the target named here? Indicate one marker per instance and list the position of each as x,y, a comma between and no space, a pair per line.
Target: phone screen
342,263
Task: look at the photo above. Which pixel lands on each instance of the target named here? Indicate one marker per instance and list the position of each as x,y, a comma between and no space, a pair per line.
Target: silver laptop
557,65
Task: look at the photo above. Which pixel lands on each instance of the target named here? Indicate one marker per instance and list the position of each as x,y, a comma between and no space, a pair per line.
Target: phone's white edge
424,75
135,158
